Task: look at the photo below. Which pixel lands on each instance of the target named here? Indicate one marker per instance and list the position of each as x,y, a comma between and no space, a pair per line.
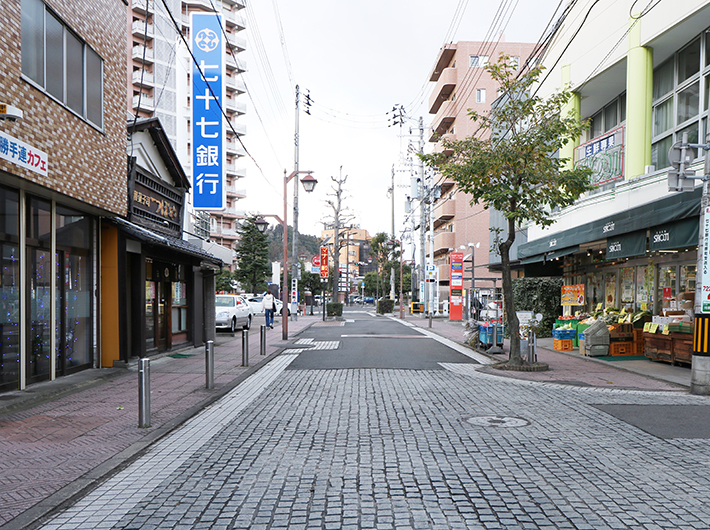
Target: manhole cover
498,421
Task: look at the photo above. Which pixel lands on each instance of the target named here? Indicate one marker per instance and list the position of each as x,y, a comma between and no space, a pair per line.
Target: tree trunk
509,299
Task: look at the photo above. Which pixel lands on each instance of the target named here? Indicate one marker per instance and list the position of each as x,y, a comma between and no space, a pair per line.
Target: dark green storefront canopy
669,209
675,235
626,245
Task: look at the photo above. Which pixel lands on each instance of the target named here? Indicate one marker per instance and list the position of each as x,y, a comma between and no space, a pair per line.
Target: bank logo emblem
206,40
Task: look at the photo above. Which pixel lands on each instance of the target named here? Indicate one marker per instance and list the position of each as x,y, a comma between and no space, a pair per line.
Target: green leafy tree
309,282
513,168
371,283
223,281
253,267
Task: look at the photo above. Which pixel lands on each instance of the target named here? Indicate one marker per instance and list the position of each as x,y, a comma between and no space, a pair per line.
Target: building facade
62,168
643,84
463,84
159,66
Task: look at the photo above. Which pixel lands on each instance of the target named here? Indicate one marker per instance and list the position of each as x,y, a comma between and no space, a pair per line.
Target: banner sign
456,287
209,190
705,269
23,155
323,262
573,294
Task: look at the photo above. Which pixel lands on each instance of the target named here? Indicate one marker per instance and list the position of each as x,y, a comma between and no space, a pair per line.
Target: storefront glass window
610,289
150,314
687,278
666,285
644,287
74,288
9,289
179,311
595,291
627,287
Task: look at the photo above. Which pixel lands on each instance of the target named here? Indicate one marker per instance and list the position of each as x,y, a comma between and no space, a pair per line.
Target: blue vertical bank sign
209,190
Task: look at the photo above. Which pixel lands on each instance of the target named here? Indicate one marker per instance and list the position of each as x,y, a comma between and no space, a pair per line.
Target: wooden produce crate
682,347
562,344
621,348
658,347
638,342
621,333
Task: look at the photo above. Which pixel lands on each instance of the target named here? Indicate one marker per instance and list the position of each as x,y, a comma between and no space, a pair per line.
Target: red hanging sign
456,287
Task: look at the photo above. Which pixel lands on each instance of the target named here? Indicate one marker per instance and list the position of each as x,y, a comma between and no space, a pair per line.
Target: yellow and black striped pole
701,334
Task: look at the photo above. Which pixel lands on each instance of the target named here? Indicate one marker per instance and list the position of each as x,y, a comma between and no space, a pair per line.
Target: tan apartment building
354,256
159,66
462,83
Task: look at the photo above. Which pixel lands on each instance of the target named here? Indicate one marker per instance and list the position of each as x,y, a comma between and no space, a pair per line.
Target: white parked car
232,312
256,305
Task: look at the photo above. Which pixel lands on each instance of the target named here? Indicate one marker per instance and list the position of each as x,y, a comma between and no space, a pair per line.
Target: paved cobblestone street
394,448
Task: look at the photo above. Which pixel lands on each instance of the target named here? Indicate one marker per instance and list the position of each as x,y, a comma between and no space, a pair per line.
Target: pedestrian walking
268,305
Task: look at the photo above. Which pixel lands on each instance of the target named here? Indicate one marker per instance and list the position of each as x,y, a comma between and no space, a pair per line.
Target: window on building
60,63
480,95
515,62
478,61
677,108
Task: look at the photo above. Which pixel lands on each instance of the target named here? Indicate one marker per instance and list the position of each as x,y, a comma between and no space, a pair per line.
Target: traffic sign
315,261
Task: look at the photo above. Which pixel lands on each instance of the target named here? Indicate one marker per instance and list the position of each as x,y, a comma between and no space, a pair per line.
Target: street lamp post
309,183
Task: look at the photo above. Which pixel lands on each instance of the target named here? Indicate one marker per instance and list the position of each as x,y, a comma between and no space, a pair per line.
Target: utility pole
423,292
296,267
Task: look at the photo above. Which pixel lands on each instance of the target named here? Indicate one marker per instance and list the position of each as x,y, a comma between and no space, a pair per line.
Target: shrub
385,305
334,309
539,295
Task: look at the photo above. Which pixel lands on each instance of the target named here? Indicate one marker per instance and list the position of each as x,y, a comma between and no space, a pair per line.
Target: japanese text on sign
23,155
573,294
207,124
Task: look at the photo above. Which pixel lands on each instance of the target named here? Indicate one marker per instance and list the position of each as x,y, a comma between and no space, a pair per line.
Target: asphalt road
367,425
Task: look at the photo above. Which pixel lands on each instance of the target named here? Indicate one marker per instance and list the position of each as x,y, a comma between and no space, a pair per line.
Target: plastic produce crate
562,344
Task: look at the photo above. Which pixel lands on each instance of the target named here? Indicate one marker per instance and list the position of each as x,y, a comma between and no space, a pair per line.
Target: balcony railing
140,30
144,79
138,54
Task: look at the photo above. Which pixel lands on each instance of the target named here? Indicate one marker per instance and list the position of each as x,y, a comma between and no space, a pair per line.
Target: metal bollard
245,347
262,345
209,365
143,393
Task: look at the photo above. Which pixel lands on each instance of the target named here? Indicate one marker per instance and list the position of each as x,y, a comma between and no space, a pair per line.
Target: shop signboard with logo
604,155
456,287
207,102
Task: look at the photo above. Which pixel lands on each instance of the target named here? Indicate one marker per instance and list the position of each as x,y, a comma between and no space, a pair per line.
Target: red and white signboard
456,287
323,260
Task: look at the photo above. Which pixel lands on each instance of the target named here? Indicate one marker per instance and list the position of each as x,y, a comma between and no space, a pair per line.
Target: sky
356,60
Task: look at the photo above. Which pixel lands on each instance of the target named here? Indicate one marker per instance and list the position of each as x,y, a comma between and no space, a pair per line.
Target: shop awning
165,241
675,207
550,255
533,259
562,252
626,245
675,235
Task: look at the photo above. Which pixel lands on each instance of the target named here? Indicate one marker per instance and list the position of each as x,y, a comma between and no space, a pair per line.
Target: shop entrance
157,314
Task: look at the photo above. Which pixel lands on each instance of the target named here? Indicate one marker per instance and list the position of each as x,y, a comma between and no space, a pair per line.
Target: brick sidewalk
569,368
61,437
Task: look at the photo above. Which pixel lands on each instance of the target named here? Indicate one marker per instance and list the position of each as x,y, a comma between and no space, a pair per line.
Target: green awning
533,259
562,252
671,208
679,234
626,245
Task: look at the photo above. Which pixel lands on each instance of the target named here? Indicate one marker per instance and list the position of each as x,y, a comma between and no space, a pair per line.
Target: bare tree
341,217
